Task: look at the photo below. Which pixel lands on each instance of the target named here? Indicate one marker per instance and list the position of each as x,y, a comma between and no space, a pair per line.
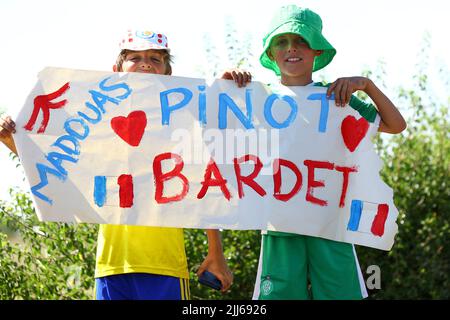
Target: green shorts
303,267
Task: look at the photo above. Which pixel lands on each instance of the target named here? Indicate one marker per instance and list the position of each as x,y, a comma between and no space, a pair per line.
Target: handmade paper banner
141,149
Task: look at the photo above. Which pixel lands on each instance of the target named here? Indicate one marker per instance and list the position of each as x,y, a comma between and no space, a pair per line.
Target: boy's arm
7,128
215,260
391,119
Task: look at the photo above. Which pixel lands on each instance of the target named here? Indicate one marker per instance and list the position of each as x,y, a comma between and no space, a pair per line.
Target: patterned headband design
138,40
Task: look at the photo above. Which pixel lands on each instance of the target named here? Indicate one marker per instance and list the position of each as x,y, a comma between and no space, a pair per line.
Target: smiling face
147,61
294,57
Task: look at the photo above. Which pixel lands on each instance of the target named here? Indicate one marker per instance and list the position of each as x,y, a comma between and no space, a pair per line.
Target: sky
83,34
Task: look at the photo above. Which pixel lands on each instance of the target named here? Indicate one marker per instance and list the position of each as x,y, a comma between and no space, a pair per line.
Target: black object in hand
210,280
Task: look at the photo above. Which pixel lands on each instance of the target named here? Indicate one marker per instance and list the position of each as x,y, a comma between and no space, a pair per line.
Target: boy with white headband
294,266
150,261
140,262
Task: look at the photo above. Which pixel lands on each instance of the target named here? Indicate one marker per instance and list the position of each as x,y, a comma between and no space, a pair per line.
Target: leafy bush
43,260
417,166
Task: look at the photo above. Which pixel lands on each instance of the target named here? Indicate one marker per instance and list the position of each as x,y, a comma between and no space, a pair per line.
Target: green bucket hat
305,23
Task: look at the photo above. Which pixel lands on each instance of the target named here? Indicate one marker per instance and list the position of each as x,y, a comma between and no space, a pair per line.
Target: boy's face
148,61
293,56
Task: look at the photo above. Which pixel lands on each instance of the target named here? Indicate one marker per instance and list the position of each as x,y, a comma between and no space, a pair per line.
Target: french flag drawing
105,191
368,217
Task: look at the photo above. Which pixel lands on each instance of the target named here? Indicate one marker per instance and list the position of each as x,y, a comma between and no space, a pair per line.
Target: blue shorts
141,286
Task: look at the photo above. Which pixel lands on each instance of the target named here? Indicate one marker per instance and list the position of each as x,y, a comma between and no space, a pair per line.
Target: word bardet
214,178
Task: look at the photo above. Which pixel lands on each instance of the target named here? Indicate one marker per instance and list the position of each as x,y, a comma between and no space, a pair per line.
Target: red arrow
43,102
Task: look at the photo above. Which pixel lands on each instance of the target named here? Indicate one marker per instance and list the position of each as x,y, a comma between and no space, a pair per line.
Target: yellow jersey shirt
130,249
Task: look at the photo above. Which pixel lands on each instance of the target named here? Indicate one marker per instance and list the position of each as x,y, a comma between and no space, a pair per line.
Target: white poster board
140,149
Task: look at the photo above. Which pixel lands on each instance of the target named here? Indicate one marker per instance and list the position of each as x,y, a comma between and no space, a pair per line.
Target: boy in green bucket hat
294,266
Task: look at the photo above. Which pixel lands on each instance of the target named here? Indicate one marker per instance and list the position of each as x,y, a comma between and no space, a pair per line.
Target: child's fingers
7,126
200,270
343,93
248,77
338,93
226,283
349,93
244,78
239,78
330,89
9,121
227,75
233,75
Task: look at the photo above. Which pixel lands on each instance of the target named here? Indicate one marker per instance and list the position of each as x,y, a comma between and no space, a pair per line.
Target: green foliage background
417,167
57,260
43,260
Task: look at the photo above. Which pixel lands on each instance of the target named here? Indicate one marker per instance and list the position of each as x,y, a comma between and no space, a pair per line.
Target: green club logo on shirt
266,286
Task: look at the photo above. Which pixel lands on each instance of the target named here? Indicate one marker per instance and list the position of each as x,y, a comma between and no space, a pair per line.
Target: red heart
353,131
131,128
